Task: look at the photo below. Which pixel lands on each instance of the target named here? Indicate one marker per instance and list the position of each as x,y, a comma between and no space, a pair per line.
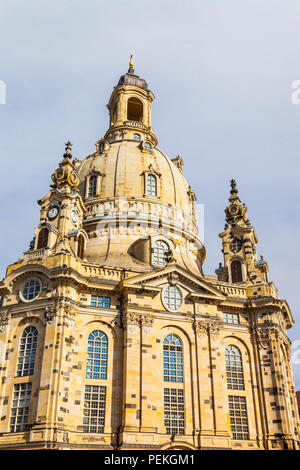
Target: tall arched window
96,367
92,192
234,368
80,248
27,352
236,271
159,250
173,359
151,185
134,109
43,239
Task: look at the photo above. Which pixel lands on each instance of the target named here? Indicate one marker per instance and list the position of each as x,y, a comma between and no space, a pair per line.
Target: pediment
152,282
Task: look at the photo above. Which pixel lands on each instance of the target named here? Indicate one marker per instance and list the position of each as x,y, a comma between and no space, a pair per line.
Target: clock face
52,213
74,216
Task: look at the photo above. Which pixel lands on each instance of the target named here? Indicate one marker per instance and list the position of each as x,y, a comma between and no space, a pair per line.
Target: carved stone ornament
63,308
147,323
4,321
169,256
173,278
131,321
269,331
208,327
50,314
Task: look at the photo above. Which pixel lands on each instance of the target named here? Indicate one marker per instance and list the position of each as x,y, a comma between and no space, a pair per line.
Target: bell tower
130,109
239,241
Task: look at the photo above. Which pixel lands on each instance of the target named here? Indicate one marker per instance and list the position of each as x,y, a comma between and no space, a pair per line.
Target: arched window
80,248
159,250
137,137
234,368
27,352
134,109
151,185
92,192
96,367
173,360
43,239
236,271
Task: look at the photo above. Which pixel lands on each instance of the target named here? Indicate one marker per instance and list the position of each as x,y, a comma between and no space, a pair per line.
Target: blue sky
221,73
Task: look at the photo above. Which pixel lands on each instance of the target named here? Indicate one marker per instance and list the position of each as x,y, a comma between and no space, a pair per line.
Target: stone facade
117,252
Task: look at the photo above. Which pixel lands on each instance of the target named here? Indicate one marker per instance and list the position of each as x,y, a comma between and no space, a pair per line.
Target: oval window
172,297
31,289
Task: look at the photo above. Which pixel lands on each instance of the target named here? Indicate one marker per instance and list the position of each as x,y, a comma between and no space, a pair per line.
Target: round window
31,289
172,297
147,146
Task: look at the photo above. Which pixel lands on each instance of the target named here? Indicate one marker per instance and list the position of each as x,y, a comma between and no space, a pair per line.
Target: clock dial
52,213
74,216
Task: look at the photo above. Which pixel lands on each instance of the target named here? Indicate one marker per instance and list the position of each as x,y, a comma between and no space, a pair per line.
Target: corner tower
239,242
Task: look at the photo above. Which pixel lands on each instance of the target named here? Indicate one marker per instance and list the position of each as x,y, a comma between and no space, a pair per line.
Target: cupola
130,109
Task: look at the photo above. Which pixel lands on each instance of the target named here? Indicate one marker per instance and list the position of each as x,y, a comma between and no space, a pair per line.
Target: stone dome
115,185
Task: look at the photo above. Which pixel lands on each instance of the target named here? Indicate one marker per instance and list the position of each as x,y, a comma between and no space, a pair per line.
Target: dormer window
151,182
160,248
93,186
137,137
134,110
151,185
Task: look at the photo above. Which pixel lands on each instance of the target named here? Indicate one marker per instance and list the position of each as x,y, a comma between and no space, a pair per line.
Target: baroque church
111,335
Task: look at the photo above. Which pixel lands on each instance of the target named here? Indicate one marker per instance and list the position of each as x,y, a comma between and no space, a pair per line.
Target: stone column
213,399
131,378
51,407
150,391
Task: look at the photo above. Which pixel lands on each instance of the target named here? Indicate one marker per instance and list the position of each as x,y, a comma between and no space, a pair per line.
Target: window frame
164,301
235,378
37,279
241,400
27,352
174,407
99,411
151,178
93,178
43,241
233,315
158,255
94,358
172,355
18,388
95,299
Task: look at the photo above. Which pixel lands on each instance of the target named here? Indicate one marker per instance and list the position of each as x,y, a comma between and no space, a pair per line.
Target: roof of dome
133,80
123,167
